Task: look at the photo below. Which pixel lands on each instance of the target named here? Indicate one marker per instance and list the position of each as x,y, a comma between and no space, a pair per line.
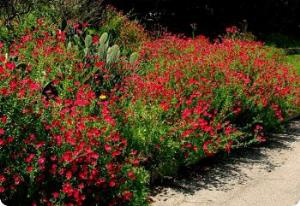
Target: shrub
81,124
190,98
130,35
60,143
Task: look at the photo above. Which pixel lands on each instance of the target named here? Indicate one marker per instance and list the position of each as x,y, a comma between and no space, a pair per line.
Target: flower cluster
60,144
77,128
212,96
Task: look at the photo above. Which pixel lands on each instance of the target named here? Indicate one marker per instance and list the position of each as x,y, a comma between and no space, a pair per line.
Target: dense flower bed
60,144
79,127
193,98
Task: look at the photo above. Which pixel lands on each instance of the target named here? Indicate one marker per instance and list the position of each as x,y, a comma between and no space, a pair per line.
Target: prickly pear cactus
113,54
88,41
76,39
105,53
133,58
103,45
103,38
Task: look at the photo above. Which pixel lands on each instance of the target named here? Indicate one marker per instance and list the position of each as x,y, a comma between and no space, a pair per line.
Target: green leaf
133,58
88,41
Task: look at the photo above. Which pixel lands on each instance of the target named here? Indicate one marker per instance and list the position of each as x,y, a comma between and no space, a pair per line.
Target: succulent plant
76,39
113,54
88,41
69,46
133,58
103,38
103,45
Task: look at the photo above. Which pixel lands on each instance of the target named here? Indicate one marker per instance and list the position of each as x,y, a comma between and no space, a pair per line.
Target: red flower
67,188
107,148
34,86
232,29
2,178
29,158
228,130
99,64
127,195
29,169
228,146
10,65
115,153
206,149
100,181
2,132
69,175
165,106
187,133
55,195
131,175
2,189
96,39
260,138
186,113
82,102
67,156
4,119
112,183
17,179
41,160
10,139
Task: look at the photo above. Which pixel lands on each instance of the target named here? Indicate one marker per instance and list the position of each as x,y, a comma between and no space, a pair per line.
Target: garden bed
85,121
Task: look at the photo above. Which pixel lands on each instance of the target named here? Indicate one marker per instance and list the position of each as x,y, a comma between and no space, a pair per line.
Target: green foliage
113,54
119,118
294,60
148,131
42,98
133,58
128,34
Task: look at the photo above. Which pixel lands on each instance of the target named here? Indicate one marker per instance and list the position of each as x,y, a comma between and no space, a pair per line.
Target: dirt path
267,175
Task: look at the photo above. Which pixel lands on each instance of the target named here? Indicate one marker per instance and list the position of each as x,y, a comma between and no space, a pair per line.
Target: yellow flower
102,97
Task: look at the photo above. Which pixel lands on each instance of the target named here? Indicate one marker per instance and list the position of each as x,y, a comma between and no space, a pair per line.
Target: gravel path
267,175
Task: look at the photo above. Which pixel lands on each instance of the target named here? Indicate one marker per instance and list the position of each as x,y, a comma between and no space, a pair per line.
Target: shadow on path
224,171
